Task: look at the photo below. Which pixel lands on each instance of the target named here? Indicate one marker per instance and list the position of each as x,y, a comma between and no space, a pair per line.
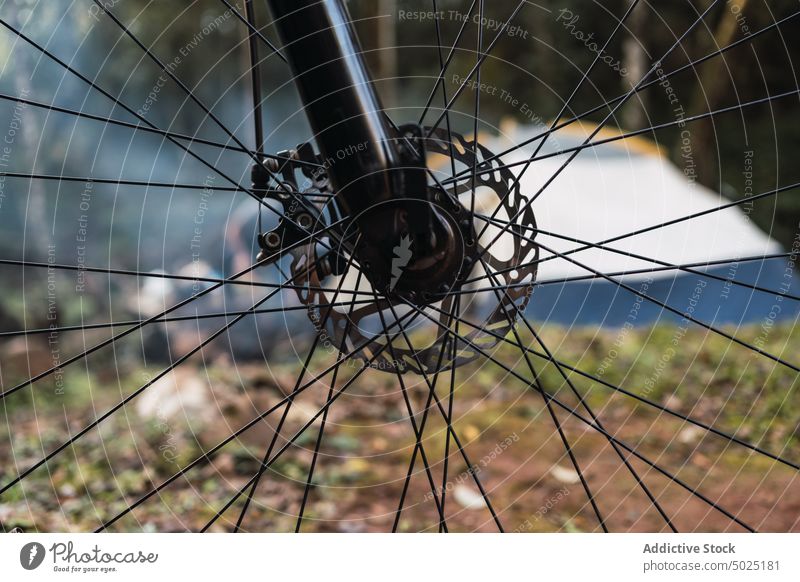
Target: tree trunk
714,82
636,63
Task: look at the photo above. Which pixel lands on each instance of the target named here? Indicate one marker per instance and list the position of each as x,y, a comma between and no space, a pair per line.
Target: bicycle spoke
315,196
553,416
567,447
591,136
289,442
476,68
116,101
621,390
450,400
71,441
631,7
689,66
678,312
120,335
253,32
582,402
190,94
443,67
318,444
432,394
235,435
569,99
653,128
418,432
664,224
477,111
597,421
590,424
162,66
146,184
665,264
195,317
626,272
589,277
233,280
127,124
276,433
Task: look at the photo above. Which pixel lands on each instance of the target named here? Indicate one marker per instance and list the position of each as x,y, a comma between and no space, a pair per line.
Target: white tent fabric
618,188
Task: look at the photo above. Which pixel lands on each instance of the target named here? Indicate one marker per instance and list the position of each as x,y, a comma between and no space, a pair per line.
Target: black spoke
678,312
576,414
340,357
442,66
569,99
437,401
253,32
519,314
596,420
634,395
664,264
689,66
446,64
475,69
591,136
117,122
546,397
450,399
196,100
590,277
298,434
233,280
149,129
142,119
653,227
71,441
477,111
209,453
418,432
162,66
195,317
276,433
120,335
653,128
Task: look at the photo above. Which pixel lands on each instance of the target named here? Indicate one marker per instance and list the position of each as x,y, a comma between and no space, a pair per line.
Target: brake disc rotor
496,288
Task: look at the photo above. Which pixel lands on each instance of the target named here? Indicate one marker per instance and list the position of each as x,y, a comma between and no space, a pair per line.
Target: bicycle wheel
606,345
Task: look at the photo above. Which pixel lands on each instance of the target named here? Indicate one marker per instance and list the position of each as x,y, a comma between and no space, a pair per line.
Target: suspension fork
365,160
368,161
377,171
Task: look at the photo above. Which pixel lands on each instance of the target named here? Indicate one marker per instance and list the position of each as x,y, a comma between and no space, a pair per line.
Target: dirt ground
513,440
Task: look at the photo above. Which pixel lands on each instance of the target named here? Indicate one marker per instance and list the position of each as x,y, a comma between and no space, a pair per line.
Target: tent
622,187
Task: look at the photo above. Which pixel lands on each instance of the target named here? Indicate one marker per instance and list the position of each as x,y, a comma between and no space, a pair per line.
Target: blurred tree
713,84
636,64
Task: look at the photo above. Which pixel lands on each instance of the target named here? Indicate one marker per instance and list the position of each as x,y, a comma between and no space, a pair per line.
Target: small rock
468,498
67,490
565,475
691,435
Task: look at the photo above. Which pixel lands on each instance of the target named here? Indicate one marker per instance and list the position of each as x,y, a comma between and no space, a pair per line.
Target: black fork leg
377,171
360,148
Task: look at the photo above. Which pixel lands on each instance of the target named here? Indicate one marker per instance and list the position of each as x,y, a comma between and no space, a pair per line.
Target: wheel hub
412,265
491,279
